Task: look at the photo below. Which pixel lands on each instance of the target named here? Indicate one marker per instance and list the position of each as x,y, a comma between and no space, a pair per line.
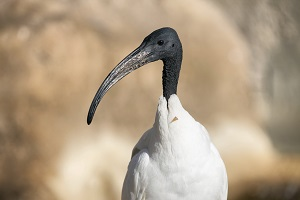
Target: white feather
176,160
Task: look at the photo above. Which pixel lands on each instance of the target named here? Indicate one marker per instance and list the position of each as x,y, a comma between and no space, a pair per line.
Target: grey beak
133,61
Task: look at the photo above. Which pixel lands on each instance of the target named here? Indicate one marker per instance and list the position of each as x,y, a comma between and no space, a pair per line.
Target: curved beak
139,57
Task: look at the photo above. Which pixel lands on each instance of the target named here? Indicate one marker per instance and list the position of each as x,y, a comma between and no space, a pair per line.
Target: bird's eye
160,42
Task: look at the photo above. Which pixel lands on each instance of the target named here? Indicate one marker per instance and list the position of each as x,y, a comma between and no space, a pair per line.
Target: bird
175,159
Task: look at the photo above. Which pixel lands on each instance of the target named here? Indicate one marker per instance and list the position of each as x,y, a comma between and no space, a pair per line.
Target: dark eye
160,42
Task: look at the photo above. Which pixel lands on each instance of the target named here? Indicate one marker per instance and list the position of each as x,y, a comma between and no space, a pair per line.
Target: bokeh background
240,78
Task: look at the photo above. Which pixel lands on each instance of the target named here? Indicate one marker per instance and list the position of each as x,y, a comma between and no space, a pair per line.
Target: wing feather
135,181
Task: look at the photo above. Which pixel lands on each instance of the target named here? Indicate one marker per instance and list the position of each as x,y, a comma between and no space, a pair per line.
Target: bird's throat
170,76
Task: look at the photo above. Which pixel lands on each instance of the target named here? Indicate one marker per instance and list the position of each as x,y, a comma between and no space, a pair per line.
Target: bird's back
175,160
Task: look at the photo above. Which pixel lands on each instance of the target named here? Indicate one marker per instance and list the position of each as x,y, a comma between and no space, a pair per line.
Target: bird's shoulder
135,182
142,143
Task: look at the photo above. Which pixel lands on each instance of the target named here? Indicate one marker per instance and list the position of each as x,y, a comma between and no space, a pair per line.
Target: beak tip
91,113
89,120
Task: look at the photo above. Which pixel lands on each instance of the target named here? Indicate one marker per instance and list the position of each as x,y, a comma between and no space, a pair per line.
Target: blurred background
240,78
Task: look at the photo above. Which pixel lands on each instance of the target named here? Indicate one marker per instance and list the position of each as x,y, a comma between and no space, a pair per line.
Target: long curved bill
133,61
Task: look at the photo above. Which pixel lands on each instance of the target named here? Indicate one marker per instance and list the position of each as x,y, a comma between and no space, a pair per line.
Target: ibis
175,159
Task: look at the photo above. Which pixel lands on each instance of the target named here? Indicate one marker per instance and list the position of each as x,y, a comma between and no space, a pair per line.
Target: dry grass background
240,78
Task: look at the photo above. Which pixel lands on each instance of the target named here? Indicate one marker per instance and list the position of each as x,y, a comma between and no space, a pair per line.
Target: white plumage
176,160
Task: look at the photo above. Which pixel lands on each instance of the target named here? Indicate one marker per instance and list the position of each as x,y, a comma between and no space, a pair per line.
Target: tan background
240,78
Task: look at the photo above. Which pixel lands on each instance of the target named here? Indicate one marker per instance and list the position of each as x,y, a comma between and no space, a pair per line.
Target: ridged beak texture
133,61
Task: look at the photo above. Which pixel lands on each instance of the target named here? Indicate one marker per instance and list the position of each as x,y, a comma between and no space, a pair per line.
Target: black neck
170,75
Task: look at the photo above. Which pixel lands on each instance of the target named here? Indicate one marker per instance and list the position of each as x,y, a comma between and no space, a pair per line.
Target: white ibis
175,159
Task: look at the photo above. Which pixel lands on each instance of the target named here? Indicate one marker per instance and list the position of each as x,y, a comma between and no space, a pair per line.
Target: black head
162,44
